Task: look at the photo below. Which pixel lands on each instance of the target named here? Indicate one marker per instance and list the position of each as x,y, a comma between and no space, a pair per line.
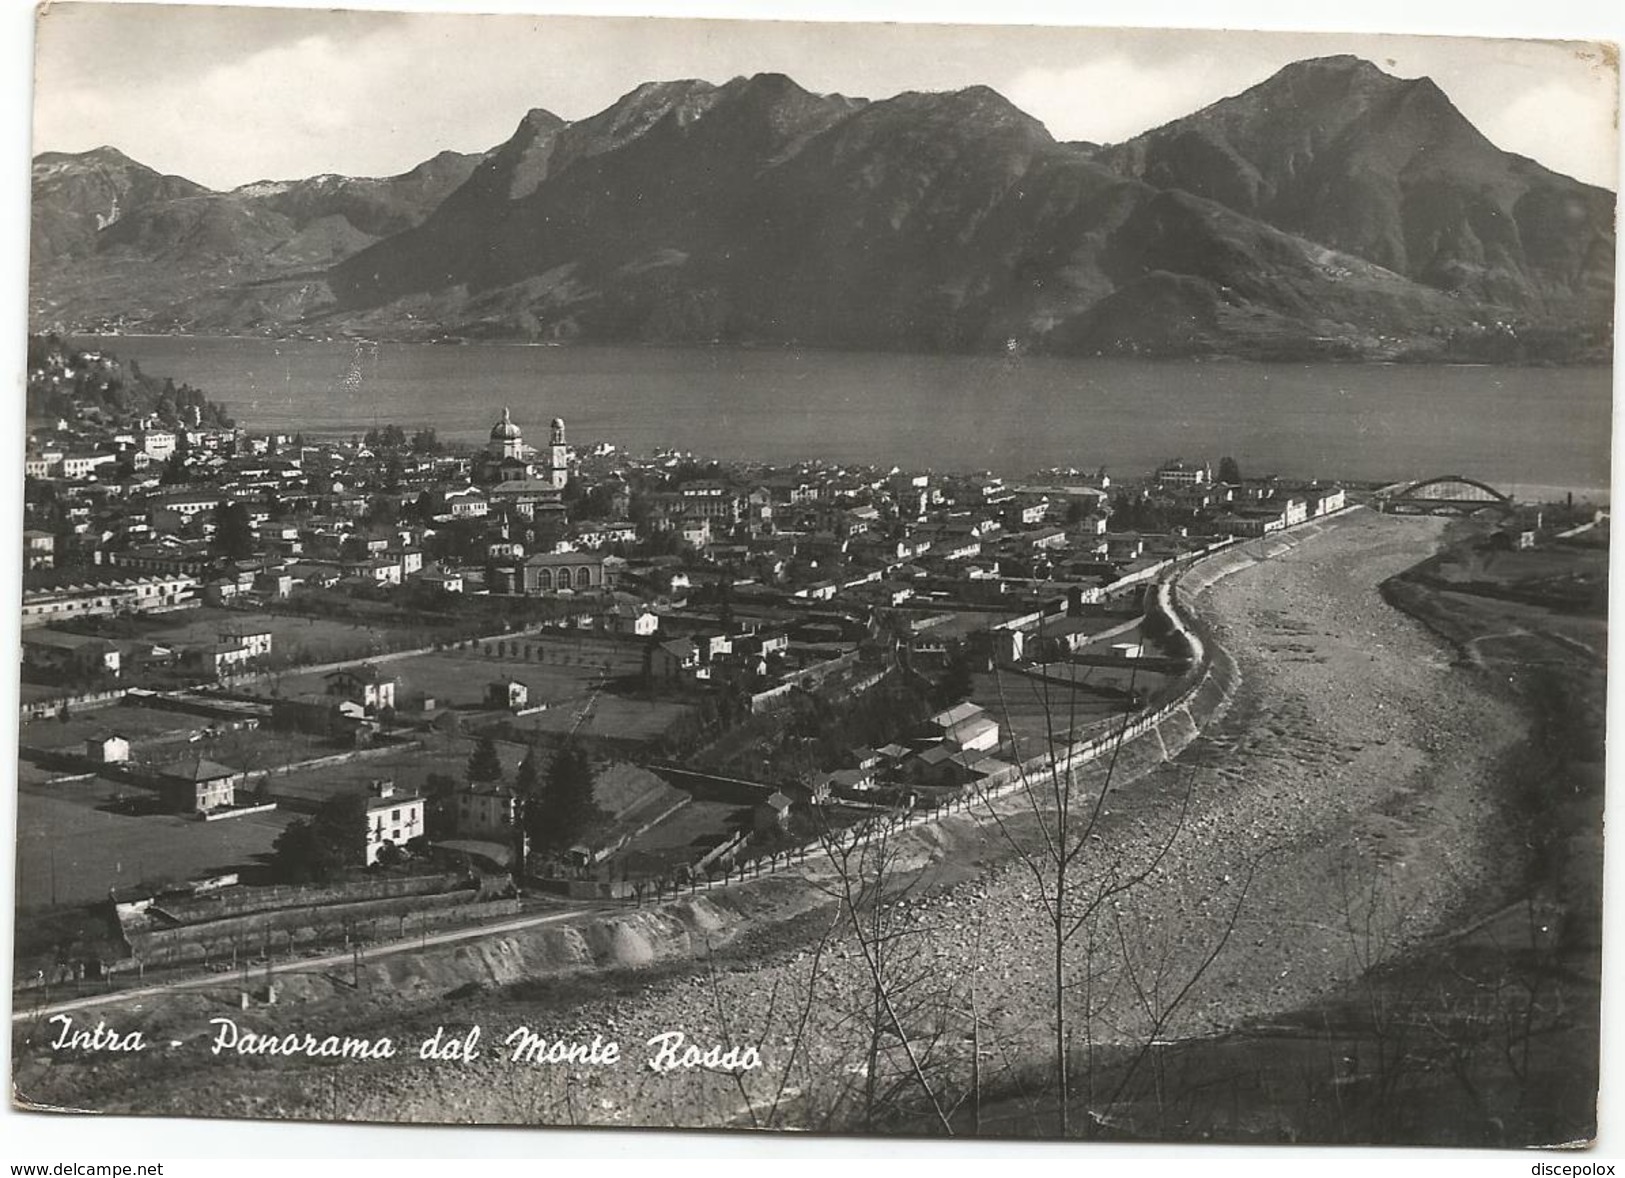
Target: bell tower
558,456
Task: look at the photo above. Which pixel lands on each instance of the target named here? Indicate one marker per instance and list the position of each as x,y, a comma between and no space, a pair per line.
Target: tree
1229,470
527,788
298,856
233,531
440,818
901,1015
565,811
484,765
597,503
957,682
341,822
725,613
527,782
1085,891
317,849
175,471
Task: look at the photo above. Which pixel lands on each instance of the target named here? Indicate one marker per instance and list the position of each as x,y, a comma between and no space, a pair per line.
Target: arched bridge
1447,494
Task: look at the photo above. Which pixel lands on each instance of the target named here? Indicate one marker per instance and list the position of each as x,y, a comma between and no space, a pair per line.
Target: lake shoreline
1011,415
1308,356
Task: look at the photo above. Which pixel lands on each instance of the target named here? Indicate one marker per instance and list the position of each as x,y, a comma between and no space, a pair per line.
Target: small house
507,693
968,726
109,749
365,685
197,785
772,814
487,812
672,659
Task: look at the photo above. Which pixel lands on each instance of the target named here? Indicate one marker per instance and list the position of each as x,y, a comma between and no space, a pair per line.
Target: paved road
311,964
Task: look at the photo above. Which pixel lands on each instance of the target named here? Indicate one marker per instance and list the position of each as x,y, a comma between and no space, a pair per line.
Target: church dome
505,429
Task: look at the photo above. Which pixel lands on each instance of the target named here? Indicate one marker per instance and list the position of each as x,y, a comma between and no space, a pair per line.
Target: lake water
1517,428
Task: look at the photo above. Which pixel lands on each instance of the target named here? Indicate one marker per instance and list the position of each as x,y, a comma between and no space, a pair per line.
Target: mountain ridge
1330,209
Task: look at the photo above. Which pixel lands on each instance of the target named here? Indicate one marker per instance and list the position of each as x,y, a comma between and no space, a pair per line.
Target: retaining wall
249,901
281,933
44,709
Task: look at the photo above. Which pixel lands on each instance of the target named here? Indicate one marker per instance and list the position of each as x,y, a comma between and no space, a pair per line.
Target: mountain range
1332,210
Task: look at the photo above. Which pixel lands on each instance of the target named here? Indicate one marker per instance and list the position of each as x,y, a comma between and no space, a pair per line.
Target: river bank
1343,809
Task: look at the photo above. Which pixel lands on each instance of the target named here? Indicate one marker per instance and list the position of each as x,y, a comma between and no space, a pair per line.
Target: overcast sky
225,95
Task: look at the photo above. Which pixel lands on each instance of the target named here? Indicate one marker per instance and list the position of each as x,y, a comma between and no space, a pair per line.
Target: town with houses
440,683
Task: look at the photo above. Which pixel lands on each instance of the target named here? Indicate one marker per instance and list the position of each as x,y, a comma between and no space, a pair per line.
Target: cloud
1564,127
118,45
1109,99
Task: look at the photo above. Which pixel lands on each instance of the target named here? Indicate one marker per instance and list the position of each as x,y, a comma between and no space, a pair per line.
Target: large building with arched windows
574,572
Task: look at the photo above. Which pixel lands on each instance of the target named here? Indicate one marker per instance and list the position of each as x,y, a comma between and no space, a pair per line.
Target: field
1565,574
584,684
158,736
1544,606
621,787
611,716
259,749
133,723
1032,712
73,844
408,768
294,639
553,668
682,838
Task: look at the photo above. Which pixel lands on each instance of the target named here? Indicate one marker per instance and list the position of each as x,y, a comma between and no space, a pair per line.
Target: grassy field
260,749
157,737
1530,565
556,670
73,844
294,639
408,768
1544,606
1571,575
133,723
1034,713
566,675
682,838
607,715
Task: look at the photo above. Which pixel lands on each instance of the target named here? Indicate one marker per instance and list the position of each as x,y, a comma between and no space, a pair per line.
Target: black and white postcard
868,579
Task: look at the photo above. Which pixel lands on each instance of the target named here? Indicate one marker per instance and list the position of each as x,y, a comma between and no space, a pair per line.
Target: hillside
115,242
1389,170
